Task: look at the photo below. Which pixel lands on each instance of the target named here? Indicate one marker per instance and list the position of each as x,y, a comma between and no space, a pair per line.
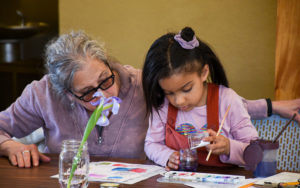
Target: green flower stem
90,126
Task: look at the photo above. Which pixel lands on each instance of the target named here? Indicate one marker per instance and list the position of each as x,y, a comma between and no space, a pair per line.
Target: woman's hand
22,155
287,108
173,161
219,144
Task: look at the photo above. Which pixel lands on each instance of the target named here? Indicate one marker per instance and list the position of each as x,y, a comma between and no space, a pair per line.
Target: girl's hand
220,144
22,155
173,161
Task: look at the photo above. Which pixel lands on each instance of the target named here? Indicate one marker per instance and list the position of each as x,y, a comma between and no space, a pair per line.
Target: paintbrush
220,128
284,128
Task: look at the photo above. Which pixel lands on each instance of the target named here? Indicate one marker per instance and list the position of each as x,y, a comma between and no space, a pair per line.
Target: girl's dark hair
166,57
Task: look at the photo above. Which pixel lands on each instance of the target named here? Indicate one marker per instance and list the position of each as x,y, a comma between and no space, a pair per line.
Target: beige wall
242,32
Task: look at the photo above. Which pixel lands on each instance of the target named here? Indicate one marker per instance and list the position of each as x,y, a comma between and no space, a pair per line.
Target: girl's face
93,73
186,90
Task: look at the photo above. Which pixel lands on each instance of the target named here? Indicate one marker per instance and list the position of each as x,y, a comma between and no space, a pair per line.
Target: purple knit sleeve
22,117
257,109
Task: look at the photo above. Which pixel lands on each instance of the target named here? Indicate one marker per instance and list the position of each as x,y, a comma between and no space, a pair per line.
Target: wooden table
13,177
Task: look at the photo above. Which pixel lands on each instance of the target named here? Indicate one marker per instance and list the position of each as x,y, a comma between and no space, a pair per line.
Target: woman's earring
72,104
71,99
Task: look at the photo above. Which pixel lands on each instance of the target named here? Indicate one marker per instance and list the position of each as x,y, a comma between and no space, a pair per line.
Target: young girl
186,90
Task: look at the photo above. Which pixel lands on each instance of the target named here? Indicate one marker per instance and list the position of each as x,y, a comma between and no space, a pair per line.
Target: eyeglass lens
103,86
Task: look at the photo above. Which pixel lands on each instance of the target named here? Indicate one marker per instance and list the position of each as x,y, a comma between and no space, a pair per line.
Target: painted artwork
107,171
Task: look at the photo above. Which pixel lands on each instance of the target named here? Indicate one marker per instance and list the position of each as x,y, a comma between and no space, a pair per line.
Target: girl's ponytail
217,73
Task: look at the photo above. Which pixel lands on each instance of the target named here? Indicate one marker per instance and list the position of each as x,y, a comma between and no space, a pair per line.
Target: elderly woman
60,104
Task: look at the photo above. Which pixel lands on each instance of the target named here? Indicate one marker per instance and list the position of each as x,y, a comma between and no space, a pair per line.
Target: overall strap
212,107
172,115
212,110
174,139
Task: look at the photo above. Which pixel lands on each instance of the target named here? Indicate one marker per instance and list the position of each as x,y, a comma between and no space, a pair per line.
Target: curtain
287,67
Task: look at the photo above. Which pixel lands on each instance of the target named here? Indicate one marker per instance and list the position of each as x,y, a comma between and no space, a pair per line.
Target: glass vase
68,152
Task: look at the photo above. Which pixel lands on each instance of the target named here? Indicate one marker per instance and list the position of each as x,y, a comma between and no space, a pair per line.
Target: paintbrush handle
220,128
276,138
209,153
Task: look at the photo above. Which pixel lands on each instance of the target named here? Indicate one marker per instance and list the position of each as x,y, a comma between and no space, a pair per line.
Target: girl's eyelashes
187,90
183,90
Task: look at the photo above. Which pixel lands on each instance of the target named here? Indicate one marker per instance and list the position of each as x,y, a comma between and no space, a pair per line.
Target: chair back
288,156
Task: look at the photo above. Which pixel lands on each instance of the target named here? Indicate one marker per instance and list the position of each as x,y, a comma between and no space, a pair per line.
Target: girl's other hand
219,144
22,155
173,161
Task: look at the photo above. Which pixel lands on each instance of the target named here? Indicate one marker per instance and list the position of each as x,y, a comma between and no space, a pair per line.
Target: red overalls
177,141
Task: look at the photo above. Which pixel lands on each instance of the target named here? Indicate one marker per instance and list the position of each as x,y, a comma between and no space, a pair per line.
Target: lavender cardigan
38,106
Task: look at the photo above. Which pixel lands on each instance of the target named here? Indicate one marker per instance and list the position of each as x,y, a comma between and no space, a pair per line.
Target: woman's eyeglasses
104,85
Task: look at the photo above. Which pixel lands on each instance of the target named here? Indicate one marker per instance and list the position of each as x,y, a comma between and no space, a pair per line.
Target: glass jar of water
188,160
69,150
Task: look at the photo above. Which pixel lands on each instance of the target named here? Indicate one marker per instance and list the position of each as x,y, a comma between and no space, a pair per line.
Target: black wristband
269,105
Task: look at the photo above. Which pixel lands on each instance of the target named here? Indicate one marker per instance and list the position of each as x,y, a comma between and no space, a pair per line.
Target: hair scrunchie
187,45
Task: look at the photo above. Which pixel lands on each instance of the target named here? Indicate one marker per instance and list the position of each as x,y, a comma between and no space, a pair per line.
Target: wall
242,33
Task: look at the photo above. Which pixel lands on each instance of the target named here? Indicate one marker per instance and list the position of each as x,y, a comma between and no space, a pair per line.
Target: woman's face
92,73
186,90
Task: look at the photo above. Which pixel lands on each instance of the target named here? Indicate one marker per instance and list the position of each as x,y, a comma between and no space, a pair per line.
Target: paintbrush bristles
220,128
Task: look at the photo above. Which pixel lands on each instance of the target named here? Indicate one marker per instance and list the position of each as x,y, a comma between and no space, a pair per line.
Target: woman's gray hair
66,55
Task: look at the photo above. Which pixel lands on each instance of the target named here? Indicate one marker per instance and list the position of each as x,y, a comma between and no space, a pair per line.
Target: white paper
117,172
280,178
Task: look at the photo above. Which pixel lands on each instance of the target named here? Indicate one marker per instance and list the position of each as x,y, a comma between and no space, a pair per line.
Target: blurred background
257,41
22,44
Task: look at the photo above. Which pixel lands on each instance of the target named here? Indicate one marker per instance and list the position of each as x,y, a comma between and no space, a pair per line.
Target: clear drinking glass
188,160
68,152
195,140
